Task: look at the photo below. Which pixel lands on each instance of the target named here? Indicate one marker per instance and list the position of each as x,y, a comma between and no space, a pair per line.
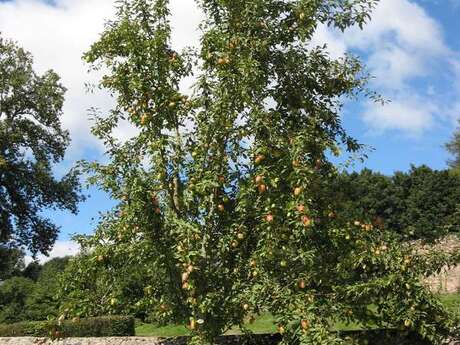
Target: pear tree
226,208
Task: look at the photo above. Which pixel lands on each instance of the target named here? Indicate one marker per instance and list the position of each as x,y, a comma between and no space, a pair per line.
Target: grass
264,324
452,302
149,330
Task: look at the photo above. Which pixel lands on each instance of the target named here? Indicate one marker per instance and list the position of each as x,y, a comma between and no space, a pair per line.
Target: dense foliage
11,262
31,141
31,293
226,203
453,147
109,326
420,204
126,295
13,299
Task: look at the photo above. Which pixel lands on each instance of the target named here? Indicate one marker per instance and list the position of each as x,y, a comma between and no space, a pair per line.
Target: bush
107,326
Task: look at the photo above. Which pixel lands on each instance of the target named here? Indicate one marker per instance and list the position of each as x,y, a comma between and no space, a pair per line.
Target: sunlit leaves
227,202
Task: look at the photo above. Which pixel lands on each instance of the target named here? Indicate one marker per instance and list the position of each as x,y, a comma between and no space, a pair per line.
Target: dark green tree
32,270
14,293
43,302
31,142
11,262
453,147
432,203
129,295
32,296
419,204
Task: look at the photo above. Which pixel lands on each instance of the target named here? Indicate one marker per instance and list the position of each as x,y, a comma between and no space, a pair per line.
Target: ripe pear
301,284
305,324
262,188
259,159
259,179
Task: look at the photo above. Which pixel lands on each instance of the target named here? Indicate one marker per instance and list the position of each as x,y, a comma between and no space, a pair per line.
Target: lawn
452,302
264,324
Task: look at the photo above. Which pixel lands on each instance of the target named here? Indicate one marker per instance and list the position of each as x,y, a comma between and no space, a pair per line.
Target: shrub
106,326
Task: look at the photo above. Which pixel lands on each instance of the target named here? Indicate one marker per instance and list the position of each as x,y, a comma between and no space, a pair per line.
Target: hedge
106,326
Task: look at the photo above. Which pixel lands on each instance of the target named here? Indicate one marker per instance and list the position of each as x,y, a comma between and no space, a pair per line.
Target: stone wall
448,281
81,341
369,338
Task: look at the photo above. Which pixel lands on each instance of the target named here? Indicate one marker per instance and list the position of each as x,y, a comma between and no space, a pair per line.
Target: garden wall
448,281
370,338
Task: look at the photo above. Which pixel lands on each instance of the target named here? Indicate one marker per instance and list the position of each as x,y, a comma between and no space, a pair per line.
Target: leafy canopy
453,147
226,203
31,141
421,204
31,293
11,262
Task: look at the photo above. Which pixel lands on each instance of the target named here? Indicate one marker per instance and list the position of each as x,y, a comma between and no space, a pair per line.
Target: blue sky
412,47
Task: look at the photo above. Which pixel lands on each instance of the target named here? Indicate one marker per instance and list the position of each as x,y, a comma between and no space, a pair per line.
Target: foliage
32,270
13,299
109,326
97,297
225,195
31,141
453,147
42,302
24,299
11,262
420,204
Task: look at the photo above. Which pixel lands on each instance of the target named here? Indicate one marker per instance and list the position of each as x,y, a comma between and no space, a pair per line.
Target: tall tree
224,193
421,204
32,294
13,299
42,302
31,141
11,262
453,147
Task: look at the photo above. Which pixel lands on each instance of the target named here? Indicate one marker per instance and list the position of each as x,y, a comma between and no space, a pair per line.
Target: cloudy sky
412,47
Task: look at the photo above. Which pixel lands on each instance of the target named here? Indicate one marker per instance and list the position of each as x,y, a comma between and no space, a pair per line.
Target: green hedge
107,326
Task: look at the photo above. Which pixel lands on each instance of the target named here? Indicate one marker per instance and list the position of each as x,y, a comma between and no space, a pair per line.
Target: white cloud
393,66
336,44
58,35
401,43
403,22
410,114
60,249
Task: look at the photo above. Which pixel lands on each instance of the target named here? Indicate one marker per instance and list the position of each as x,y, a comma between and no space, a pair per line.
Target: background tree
453,147
31,141
128,294
225,194
31,294
13,299
32,271
11,262
419,204
42,301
